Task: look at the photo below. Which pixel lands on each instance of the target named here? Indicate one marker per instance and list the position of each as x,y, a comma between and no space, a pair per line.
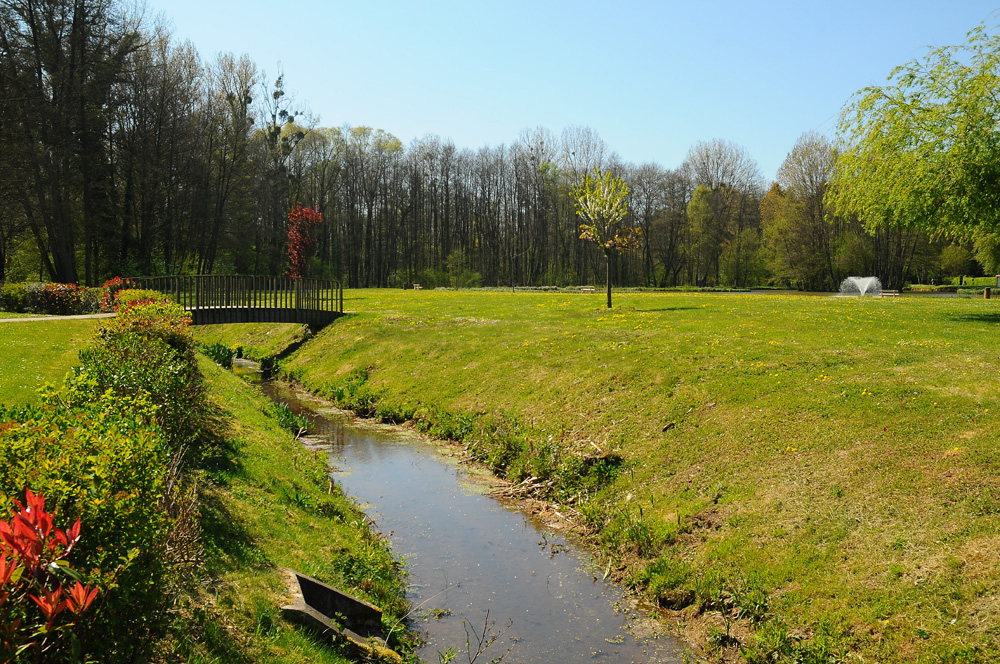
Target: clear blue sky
652,78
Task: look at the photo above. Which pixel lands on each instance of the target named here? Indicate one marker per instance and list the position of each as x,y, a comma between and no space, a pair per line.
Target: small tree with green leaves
602,202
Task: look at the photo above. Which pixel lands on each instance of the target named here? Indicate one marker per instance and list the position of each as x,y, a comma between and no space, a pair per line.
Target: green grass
836,457
260,341
34,353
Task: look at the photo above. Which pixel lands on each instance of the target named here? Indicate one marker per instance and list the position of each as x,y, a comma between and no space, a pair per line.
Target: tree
922,150
955,261
733,179
798,234
59,63
301,221
602,201
700,216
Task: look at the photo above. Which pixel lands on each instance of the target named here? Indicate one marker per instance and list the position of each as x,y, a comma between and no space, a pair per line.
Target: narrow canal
474,564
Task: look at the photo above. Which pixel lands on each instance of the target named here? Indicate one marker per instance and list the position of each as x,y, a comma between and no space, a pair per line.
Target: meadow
802,477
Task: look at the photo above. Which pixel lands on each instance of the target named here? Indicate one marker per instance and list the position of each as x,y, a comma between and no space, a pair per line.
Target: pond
479,569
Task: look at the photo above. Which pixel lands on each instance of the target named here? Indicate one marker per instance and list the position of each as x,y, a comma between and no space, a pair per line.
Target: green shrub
105,463
148,349
975,281
14,297
219,353
288,419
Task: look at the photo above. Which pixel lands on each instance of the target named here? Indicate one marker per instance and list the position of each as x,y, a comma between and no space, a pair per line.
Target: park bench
890,293
586,289
417,287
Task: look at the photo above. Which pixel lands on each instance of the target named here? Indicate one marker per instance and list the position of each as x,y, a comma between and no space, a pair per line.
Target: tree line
123,152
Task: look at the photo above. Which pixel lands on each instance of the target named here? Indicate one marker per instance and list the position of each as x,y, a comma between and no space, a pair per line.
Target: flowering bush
109,293
38,606
59,299
56,299
136,296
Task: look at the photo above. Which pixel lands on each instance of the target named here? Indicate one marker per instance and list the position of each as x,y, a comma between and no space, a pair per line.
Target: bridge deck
213,299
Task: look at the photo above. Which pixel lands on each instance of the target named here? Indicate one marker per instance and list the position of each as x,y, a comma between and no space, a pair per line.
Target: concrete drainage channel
337,616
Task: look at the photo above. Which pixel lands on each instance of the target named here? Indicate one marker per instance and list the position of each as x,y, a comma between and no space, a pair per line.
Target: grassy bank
258,341
265,503
802,478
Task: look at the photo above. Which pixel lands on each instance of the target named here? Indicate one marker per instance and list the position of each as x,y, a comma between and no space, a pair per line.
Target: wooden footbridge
244,299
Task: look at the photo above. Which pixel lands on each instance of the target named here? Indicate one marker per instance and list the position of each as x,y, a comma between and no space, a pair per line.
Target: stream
477,565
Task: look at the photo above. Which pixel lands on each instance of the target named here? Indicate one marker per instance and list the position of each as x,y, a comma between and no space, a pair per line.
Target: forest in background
124,152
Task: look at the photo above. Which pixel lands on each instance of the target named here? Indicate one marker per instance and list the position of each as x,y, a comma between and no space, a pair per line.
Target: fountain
861,285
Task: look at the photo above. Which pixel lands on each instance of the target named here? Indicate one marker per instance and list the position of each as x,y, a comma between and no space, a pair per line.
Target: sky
651,78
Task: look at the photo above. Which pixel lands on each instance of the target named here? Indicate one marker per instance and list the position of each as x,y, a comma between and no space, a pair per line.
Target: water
474,562
861,285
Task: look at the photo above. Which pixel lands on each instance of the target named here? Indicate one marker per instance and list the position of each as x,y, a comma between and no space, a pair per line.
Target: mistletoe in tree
602,201
301,221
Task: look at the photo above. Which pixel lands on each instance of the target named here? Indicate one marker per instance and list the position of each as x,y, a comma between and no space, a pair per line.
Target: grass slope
260,340
34,353
834,458
265,505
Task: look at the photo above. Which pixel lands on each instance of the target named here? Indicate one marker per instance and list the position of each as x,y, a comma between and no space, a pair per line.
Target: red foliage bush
110,290
34,588
301,221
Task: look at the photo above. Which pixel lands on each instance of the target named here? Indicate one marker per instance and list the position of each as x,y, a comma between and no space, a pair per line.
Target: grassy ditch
266,503
796,478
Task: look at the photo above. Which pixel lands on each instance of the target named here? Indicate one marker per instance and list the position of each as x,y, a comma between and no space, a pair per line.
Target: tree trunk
607,263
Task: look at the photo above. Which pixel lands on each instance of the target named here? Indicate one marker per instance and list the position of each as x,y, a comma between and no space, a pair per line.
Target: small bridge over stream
215,299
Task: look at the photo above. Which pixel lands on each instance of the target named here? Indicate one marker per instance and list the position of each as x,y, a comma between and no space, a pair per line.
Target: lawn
834,458
33,353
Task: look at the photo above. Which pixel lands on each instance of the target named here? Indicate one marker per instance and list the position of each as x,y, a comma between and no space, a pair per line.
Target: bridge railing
276,299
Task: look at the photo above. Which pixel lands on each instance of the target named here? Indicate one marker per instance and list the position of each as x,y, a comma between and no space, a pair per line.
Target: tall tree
733,178
798,233
59,62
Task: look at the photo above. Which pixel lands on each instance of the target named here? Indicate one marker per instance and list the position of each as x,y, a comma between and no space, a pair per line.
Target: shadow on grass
666,309
974,317
224,533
